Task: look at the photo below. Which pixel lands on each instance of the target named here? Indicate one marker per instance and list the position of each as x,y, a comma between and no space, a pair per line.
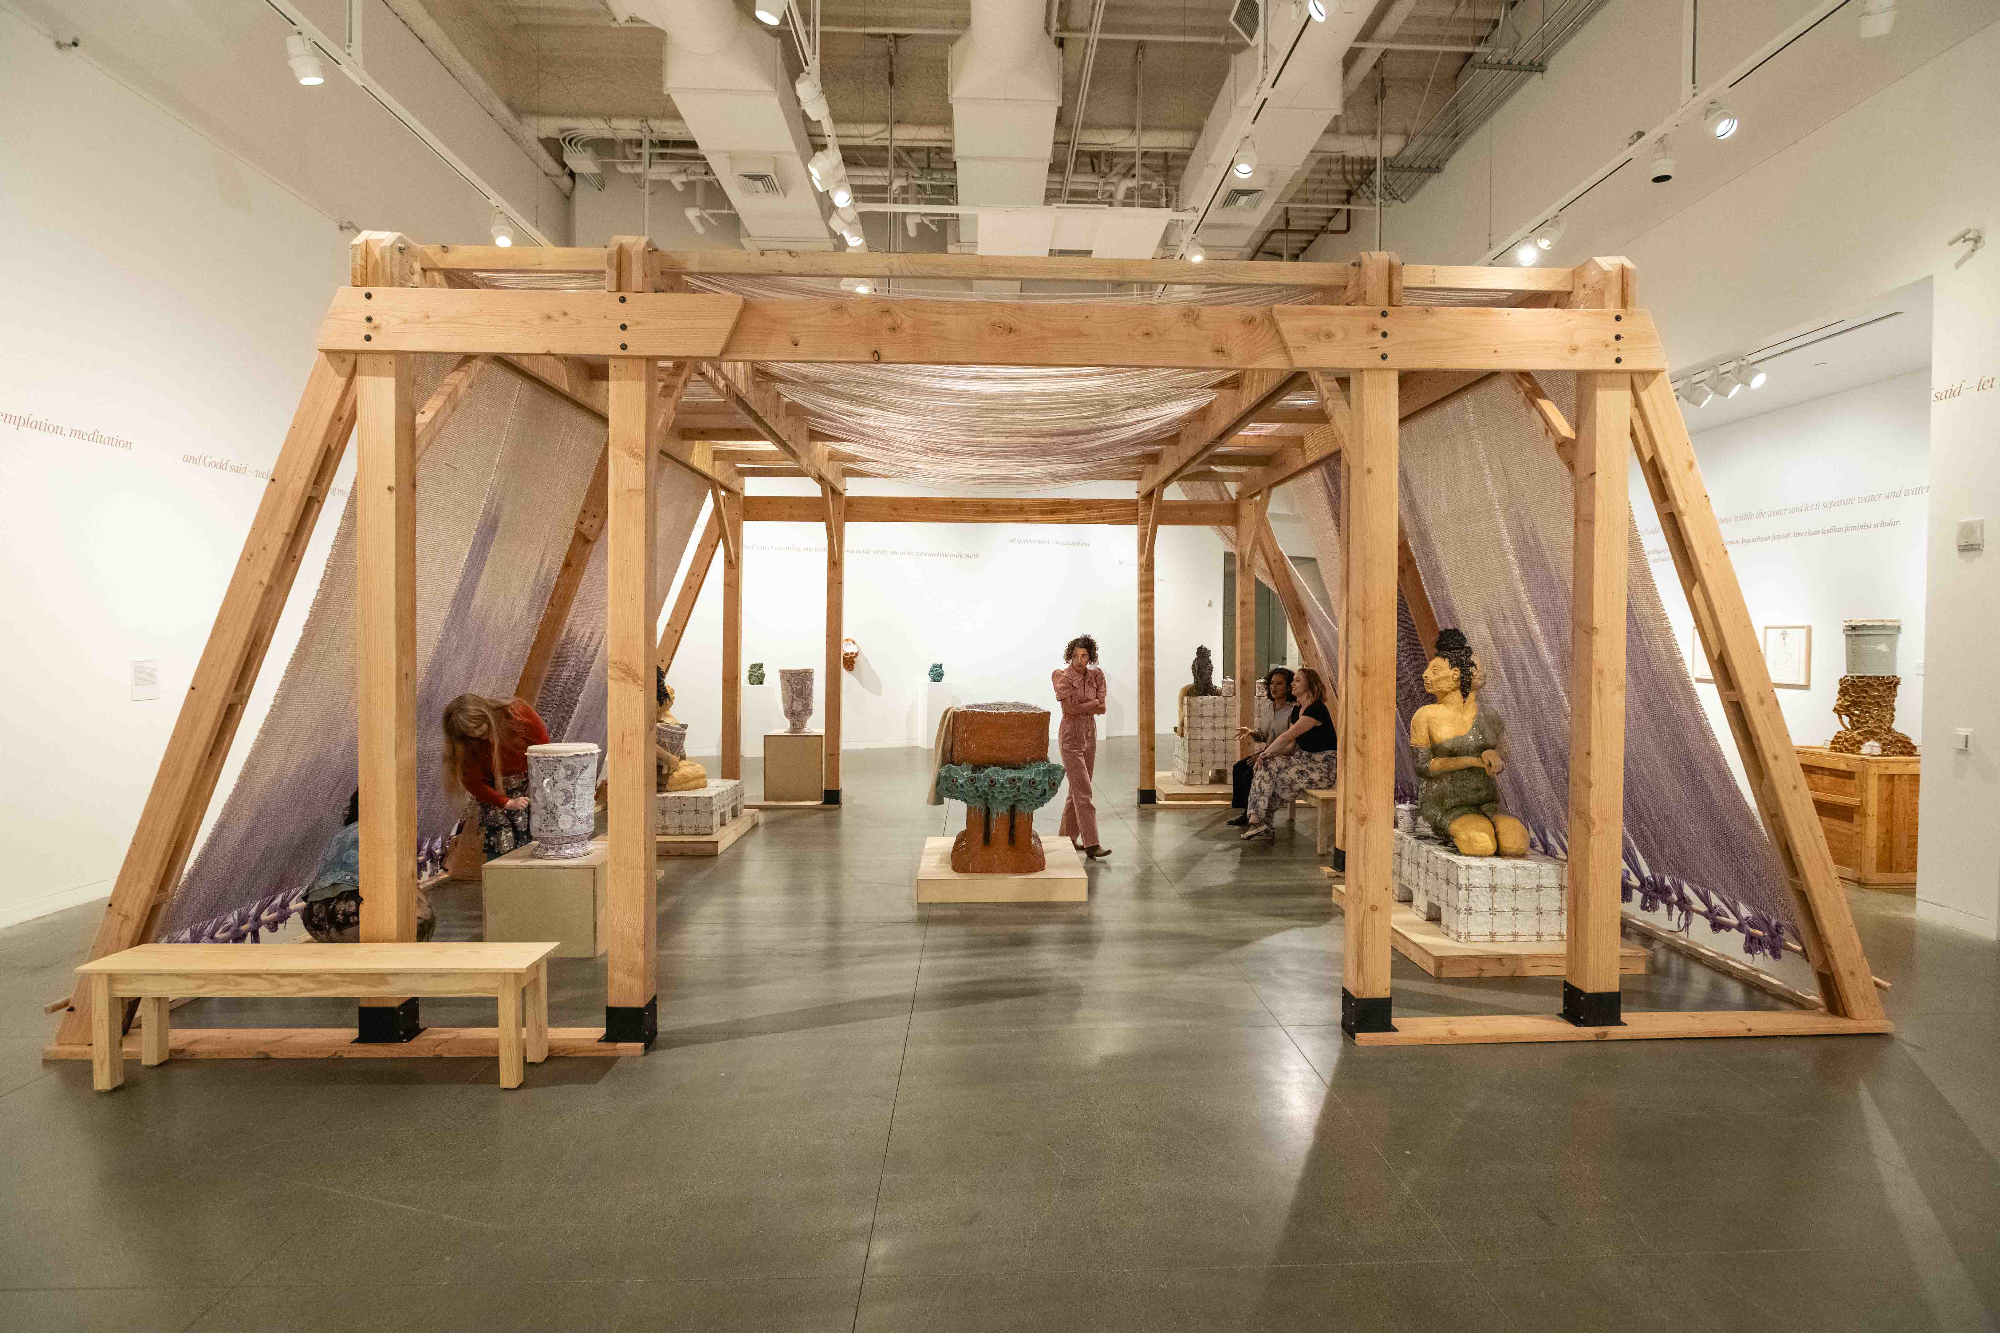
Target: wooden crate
1867,805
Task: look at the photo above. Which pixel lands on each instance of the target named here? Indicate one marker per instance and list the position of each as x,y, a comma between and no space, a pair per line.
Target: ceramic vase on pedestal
795,685
562,794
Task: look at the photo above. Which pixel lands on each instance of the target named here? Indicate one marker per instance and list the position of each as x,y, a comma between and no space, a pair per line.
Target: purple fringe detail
274,909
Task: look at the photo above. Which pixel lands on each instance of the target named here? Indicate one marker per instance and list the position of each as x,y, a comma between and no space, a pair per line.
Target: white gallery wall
1824,507
150,359
995,603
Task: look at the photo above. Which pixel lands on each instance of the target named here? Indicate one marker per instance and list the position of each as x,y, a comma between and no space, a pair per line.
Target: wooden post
730,506
836,671
631,914
1597,678
697,574
385,596
1249,514
1371,524
1743,682
1284,582
1148,531
228,669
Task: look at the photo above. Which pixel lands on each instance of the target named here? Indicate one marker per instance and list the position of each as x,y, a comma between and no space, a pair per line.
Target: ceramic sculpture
937,672
1204,672
1457,745
562,808
850,653
756,673
1000,768
795,688
1866,701
672,769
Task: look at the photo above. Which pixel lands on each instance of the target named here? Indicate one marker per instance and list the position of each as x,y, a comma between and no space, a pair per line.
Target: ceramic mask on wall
756,673
937,672
562,792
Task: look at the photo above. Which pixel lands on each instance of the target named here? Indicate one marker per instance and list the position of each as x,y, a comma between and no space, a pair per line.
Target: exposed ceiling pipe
1392,20
1082,95
1006,84
927,136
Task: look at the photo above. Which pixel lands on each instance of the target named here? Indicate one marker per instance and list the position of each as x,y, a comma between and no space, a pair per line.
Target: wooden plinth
1172,791
530,897
1424,943
1485,1029
339,1044
1867,806
706,844
1063,881
794,766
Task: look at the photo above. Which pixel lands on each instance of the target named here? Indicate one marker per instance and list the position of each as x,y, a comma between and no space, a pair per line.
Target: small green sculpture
937,672
756,673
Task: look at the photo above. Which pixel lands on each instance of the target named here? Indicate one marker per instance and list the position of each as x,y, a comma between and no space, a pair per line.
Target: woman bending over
486,754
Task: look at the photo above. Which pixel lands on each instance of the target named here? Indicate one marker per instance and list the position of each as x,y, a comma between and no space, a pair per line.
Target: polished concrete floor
1137,1113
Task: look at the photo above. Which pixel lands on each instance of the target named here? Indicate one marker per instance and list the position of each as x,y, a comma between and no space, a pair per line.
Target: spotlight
849,219
812,99
1662,169
1701,389
1194,254
1751,375
770,13
1727,380
1877,17
1720,120
1528,253
503,228
840,194
1552,232
825,167
304,62
1246,160
1316,9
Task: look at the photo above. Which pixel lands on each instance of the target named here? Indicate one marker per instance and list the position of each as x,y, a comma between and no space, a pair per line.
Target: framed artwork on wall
1788,655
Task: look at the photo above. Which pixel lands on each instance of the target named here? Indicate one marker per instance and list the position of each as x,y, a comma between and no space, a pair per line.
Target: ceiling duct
1006,83
1280,94
726,74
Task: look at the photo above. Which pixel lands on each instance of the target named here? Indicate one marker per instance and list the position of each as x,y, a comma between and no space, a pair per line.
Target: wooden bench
1325,806
515,974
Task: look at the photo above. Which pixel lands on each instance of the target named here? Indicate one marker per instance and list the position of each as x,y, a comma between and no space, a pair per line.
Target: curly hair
1083,641
1273,674
1457,654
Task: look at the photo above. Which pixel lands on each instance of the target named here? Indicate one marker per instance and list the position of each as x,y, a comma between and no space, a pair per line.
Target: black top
1315,739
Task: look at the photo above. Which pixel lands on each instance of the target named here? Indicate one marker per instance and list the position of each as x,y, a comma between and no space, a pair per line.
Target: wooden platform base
1172,791
1484,1029
339,1044
788,805
1424,943
706,844
1063,881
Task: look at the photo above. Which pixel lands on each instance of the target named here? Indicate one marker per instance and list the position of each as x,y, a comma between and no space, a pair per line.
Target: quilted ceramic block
701,811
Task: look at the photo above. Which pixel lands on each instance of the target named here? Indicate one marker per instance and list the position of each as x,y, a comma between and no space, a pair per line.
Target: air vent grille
1242,197
756,176
1246,18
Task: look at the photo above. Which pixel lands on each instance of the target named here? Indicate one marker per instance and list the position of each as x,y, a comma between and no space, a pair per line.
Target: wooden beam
228,668
1410,583
552,373
1554,424
1370,502
1226,414
1722,618
1249,518
697,574
966,509
1483,1029
781,423
385,650
836,672
730,508
801,329
446,399
1284,581
1147,531
569,579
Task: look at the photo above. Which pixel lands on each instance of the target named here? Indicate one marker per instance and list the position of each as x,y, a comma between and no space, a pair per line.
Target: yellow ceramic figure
1458,745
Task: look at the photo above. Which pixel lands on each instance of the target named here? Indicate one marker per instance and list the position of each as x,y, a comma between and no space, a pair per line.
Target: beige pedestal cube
531,898
1063,881
794,766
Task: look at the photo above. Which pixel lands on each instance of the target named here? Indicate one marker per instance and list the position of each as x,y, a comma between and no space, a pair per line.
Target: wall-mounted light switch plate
1972,534
1961,740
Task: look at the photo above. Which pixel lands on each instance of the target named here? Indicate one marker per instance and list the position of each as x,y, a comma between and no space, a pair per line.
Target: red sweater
475,771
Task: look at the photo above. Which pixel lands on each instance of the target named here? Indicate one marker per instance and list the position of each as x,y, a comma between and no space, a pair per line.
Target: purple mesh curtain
497,496
1487,509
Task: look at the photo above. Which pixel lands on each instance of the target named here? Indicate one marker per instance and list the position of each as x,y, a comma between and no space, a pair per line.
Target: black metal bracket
1358,1014
830,796
625,1022
1149,796
1592,1009
387,1025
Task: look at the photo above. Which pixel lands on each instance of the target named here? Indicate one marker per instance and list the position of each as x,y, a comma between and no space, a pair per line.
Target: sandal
1096,853
1256,831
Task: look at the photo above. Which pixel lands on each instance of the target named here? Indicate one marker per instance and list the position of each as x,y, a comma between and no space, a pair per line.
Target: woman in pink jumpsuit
1080,689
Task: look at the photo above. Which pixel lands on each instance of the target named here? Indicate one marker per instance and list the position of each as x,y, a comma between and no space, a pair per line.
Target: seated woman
1299,757
332,910
486,754
1458,746
1284,712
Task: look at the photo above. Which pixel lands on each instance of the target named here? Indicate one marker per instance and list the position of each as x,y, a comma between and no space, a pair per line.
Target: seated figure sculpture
999,766
1458,744
672,769
1202,686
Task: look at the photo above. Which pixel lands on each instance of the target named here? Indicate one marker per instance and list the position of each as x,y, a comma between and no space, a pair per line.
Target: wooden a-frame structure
603,348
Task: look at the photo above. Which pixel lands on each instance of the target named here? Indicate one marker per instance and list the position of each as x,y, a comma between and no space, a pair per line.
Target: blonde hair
472,719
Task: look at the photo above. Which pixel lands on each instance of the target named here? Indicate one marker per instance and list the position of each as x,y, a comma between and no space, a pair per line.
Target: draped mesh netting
1487,510
497,496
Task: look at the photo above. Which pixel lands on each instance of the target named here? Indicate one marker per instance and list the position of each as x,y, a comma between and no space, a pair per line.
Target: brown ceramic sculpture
999,839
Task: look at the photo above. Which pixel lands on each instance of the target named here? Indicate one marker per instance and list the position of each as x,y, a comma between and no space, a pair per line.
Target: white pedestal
1207,743
938,696
795,766
530,898
1062,881
761,713
1482,898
